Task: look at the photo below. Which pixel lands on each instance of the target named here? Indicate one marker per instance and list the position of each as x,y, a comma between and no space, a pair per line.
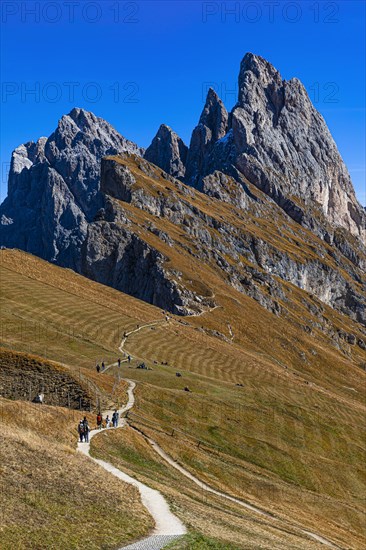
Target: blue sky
140,64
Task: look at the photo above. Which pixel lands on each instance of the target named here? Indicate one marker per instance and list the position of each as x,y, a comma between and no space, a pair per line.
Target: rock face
168,151
119,253
115,254
53,188
212,126
282,145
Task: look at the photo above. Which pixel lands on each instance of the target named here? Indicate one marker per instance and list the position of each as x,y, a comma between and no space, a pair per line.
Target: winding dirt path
167,525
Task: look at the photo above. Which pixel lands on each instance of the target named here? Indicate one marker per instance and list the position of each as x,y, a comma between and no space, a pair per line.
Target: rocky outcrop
23,377
212,126
250,263
278,141
168,151
224,188
114,255
282,145
53,188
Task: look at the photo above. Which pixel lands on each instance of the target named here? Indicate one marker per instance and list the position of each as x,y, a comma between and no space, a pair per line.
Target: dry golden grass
53,497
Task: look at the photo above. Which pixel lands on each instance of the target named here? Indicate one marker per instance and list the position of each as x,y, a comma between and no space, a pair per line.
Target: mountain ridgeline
261,199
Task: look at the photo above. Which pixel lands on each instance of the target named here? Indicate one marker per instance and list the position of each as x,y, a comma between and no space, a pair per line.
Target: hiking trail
167,526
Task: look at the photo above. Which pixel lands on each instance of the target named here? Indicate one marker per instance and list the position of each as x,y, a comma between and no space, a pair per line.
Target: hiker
86,430
81,431
99,420
38,398
107,421
129,358
125,334
103,365
98,368
115,418
119,361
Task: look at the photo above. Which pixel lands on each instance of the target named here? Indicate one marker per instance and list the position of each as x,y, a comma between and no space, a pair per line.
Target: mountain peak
168,151
214,115
256,63
165,130
283,146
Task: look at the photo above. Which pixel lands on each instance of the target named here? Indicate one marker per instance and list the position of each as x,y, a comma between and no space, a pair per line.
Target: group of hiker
108,422
99,368
102,367
83,427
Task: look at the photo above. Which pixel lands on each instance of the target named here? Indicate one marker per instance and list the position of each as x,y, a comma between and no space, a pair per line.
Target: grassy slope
277,441
53,497
212,521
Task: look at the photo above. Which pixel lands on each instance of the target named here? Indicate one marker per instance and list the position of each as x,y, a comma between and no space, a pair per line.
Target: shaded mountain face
168,151
53,188
212,126
269,204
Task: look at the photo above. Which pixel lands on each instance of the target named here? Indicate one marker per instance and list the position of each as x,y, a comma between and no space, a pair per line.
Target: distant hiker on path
129,358
107,421
103,365
81,431
98,368
115,418
99,421
119,362
86,430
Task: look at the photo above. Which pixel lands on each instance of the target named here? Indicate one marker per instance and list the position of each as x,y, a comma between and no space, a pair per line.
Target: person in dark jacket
86,430
115,419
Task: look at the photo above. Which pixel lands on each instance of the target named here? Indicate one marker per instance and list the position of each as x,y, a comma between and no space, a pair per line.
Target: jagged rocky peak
53,187
82,131
168,151
212,126
283,145
214,115
278,141
25,156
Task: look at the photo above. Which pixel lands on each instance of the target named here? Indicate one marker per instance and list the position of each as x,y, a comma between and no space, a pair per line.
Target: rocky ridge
53,187
277,140
261,196
249,260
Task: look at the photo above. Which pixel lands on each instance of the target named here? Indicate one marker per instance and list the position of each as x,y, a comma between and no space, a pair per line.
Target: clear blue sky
140,64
